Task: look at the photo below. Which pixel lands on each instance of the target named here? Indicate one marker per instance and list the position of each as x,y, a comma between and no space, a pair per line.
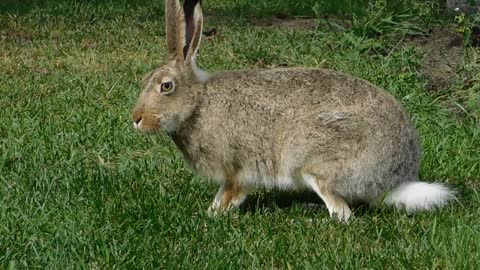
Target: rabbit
342,137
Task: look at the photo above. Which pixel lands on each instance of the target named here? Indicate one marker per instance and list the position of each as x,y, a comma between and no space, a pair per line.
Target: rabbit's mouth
147,125
156,124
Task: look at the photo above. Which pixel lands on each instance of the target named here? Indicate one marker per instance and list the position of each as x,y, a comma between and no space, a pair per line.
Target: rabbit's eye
166,87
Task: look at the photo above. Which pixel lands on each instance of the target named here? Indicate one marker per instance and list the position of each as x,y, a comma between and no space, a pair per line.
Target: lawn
79,188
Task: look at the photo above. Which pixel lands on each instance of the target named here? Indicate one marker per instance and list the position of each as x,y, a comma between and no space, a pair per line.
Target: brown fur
340,136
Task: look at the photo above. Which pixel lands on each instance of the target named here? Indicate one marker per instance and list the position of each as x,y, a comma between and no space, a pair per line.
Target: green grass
80,189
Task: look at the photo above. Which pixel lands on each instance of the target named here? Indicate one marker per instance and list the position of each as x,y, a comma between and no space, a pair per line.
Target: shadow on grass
466,193
308,200
280,199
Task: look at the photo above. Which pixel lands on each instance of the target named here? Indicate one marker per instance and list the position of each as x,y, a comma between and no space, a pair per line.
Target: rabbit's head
167,97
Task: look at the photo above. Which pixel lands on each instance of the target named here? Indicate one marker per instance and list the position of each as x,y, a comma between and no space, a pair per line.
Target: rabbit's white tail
415,196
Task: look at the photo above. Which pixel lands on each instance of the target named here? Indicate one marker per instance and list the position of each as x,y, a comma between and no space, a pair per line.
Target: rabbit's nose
137,121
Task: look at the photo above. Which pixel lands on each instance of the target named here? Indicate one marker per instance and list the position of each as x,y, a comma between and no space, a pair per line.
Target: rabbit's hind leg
229,195
336,205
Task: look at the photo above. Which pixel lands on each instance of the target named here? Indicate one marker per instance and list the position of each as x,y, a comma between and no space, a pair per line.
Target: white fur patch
138,125
258,179
202,75
311,183
414,196
216,202
218,197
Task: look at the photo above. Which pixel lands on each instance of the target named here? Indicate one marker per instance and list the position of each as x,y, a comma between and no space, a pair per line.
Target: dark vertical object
188,8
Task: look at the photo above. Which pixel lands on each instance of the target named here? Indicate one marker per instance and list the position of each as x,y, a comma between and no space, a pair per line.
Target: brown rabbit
297,128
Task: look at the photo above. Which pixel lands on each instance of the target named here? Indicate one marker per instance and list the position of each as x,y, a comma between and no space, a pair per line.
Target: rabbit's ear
171,24
190,24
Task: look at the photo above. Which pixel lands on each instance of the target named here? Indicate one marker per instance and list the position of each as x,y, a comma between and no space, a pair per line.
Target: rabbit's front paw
343,214
227,197
215,209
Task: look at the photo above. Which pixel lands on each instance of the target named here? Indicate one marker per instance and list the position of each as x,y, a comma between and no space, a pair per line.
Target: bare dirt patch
18,37
287,23
443,49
